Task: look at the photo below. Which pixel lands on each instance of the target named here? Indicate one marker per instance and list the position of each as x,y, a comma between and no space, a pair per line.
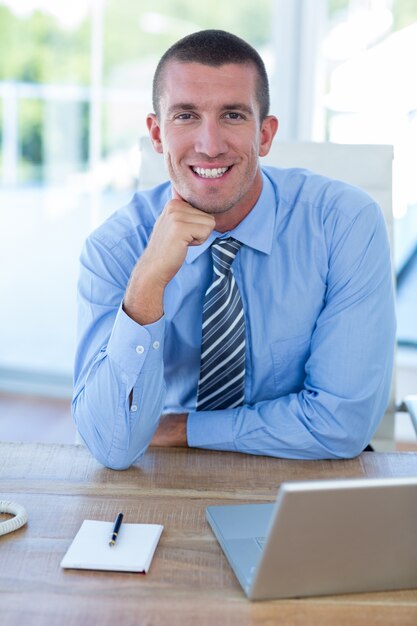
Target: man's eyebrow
238,106
181,106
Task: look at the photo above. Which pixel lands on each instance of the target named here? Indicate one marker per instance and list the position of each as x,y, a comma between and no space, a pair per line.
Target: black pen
116,528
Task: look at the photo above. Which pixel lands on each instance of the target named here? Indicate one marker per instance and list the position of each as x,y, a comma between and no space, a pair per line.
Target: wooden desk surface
190,581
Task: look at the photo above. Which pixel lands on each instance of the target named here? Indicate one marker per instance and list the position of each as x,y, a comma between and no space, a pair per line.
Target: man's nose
211,139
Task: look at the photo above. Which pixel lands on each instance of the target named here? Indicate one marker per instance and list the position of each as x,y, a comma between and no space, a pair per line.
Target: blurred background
75,87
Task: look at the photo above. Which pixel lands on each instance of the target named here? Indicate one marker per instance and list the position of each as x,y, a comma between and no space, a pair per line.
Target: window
371,97
75,86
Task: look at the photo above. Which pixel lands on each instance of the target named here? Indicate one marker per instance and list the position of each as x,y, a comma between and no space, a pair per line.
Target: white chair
366,166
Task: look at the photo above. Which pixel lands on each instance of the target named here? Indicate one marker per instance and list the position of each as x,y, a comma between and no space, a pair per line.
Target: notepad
132,552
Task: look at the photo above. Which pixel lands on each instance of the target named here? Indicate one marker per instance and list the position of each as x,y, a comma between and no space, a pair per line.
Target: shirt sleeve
348,373
119,386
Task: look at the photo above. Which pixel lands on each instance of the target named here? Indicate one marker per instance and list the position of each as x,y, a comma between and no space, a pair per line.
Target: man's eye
184,116
233,115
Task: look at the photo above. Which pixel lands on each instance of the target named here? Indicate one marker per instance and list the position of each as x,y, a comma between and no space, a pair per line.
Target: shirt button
156,345
140,349
134,408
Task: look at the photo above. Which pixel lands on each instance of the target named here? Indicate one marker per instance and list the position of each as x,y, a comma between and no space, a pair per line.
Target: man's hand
179,226
172,431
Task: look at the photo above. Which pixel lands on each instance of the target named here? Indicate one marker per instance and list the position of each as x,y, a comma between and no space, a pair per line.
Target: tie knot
223,252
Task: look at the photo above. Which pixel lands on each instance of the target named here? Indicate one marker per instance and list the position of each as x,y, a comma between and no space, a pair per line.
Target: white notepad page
132,552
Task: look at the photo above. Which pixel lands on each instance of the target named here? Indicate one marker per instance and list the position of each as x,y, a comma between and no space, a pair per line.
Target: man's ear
154,132
269,128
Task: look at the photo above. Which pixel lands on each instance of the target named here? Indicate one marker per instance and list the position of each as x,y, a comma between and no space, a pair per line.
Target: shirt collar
255,231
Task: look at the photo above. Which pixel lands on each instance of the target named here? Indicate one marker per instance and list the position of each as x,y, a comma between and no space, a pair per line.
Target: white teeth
215,172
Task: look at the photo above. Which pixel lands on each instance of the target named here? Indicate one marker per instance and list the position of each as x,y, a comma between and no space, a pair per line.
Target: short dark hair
214,48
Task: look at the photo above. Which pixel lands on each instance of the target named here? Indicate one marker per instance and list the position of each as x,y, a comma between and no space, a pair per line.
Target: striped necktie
222,368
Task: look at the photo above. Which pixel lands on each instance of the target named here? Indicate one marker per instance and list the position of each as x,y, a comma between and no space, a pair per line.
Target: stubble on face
210,202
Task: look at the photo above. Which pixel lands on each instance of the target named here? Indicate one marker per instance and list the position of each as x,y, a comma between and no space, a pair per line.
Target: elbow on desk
343,427
350,453
115,459
123,461
100,442
118,465
353,445
349,443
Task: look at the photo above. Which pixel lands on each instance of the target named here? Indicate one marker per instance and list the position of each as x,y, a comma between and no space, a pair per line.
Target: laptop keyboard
261,542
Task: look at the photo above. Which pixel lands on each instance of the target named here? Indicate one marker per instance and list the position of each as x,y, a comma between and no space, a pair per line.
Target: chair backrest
366,166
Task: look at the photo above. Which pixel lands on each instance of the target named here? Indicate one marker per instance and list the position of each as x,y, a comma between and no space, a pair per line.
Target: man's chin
212,208
209,209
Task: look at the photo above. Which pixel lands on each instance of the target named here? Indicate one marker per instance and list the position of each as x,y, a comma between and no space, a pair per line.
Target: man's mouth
214,172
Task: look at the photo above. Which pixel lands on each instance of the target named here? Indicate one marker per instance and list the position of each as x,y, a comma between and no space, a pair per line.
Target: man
234,307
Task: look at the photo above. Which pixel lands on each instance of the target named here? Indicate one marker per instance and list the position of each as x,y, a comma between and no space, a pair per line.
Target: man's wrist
144,299
172,431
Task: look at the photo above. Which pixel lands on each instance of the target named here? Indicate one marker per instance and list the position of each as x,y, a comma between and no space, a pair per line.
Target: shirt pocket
289,357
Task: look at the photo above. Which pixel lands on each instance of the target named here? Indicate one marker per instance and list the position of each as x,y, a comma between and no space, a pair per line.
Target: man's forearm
179,226
144,298
297,426
119,398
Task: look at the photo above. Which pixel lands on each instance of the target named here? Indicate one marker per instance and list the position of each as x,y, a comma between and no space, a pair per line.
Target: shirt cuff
134,347
211,429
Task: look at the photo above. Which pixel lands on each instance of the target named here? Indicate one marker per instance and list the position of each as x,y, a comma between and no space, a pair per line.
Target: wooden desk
190,581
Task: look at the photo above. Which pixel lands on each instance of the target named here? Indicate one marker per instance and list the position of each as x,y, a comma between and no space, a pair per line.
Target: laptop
323,537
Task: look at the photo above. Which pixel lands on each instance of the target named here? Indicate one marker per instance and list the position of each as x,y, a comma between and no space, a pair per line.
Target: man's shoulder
304,189
135,220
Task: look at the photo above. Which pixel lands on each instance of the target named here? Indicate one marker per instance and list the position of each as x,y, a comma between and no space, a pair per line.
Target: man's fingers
197,241
179,226
188,214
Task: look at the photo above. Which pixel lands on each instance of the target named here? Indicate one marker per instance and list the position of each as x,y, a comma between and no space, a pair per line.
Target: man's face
211,136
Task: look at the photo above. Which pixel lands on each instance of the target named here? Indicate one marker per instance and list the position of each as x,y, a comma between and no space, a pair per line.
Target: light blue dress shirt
315,279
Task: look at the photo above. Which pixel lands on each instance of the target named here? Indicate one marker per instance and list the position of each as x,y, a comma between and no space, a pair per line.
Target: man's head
213,48
212,124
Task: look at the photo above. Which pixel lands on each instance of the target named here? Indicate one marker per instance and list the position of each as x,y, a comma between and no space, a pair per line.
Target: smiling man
234,307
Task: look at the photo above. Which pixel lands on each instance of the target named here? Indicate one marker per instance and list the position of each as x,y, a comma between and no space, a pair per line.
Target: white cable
20,516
